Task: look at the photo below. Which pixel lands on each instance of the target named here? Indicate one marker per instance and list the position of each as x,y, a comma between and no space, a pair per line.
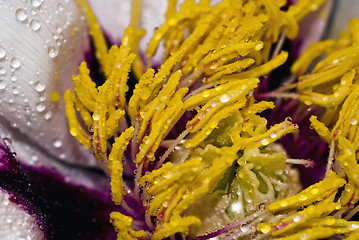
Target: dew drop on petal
40,107
2,52
60,7
48,115
2,71
6,201
15,63
57,144
13,78
8,141
35,24
36,3
52,52
39,86
2,84
21,14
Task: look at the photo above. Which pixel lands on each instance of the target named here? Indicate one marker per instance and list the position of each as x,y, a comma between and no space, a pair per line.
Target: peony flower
167,137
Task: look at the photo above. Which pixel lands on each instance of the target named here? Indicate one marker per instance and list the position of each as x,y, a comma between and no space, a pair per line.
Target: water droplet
6,201
213,65
262,206
40,107
224,98
353,121
205,93
21,14
42,98
283,203
2,52
48,115
303,236
8,141
96,116
259,46
57,143
2,71
52,52
35,24
15,63
15,91
36,3
264,228
13,78
39,86
314,191
297,218
244,227
265,141
2,84
303,197
273,135
60,7
90,128
58,29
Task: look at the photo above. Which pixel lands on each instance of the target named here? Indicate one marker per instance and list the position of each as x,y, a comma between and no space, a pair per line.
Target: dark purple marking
63,210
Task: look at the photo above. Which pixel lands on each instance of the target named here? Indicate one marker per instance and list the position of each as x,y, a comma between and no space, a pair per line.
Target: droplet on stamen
224,98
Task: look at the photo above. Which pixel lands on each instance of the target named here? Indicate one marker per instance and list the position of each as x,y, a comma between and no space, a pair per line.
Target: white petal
115,15
31,154
313,26
344,11
15,222
41,45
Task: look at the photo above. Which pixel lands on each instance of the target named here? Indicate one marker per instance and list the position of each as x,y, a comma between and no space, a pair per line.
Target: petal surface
344,11
115,15
42,43
15,222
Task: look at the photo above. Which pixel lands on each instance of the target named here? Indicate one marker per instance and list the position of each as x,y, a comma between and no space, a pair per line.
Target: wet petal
63,206
37,40
15,222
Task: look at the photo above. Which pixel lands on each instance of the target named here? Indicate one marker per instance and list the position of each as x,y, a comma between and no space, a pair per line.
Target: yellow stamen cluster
338,71
333,77
123,226
333,84
214,57
313,221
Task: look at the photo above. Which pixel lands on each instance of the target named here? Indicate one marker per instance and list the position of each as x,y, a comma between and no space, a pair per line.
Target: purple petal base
63,210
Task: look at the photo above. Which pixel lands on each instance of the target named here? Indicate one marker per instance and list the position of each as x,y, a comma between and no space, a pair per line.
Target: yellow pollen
55,96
